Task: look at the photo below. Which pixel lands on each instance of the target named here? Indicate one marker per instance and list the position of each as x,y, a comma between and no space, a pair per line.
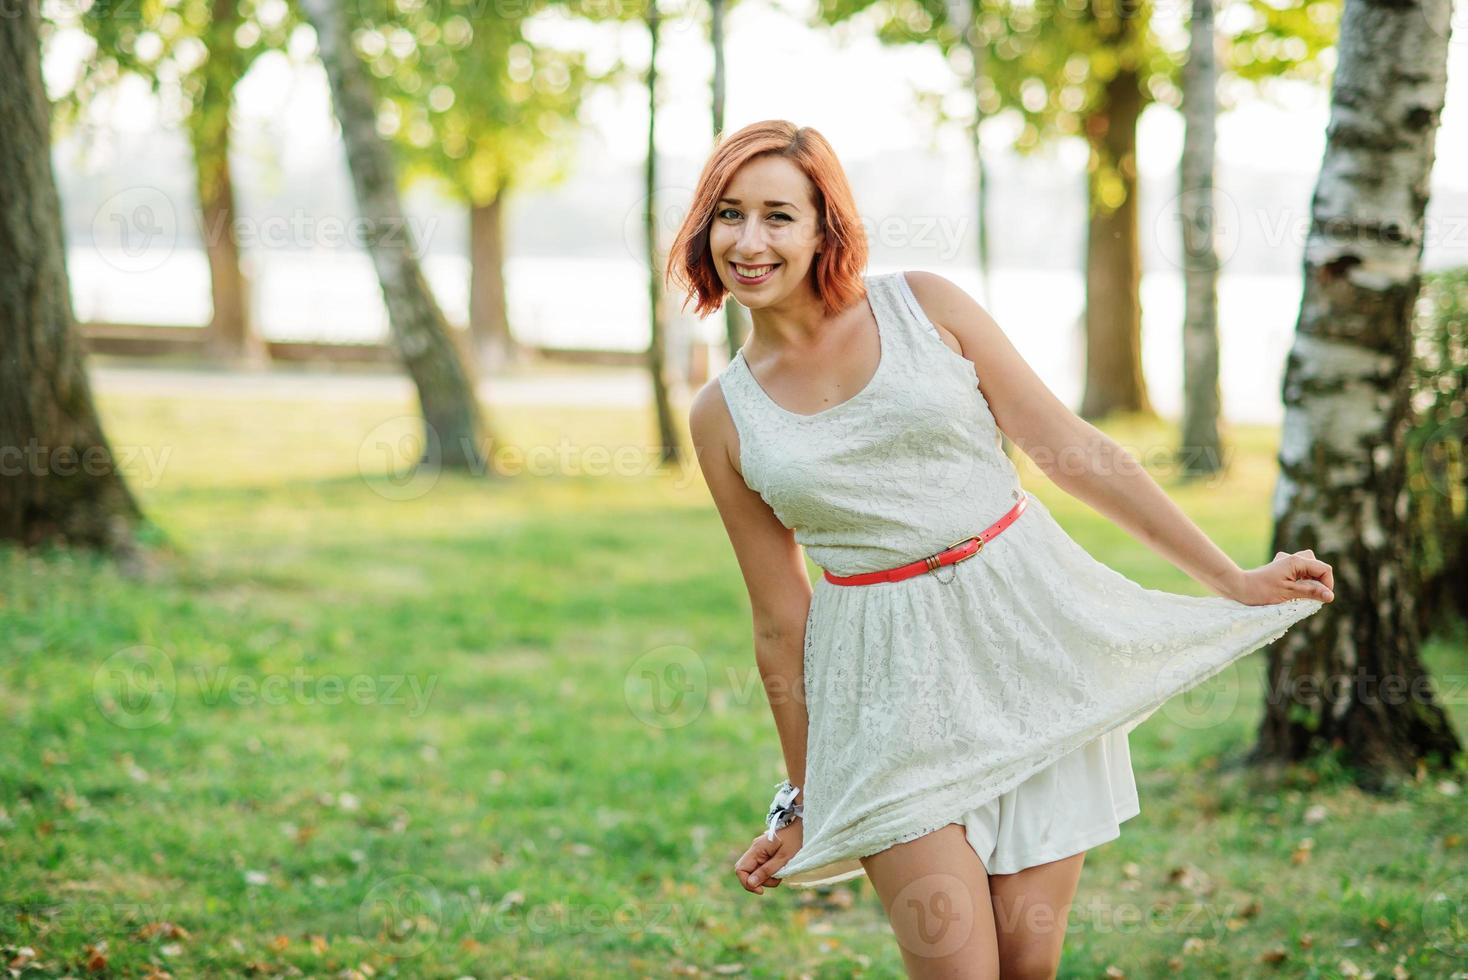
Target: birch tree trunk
656,356
963,17
419,331
736,323
1352,678
1201,452
59,481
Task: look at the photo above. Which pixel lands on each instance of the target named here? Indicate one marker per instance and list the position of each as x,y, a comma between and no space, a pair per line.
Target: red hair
837,269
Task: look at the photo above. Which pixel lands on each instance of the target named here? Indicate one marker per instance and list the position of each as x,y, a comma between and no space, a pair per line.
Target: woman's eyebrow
768,204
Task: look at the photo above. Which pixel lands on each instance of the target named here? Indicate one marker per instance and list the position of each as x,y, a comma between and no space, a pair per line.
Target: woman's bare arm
774,574
1083,460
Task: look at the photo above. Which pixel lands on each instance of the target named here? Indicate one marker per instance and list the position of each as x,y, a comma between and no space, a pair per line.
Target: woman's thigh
936,893
1031,911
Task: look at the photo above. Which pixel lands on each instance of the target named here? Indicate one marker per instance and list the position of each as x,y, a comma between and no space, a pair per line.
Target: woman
953,718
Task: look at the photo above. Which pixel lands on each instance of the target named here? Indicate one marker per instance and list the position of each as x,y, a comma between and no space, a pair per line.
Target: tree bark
59,479
1351,679
963,18
669,451
489,313
1114,380
232,336
736,323
1201,452
419,331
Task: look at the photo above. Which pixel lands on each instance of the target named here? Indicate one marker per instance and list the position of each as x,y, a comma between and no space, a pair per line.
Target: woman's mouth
753,275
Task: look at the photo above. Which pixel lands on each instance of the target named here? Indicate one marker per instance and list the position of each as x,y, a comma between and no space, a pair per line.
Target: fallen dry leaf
1274,954
96,957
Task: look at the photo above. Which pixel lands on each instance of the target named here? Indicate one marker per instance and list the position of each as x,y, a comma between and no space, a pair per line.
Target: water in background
602,303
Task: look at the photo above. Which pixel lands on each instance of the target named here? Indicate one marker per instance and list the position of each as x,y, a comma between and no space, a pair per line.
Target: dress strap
927,341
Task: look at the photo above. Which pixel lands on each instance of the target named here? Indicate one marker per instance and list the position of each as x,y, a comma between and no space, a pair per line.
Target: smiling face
765,224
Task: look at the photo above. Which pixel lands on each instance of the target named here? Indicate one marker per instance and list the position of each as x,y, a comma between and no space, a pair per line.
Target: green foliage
190,52
1048,62
468,98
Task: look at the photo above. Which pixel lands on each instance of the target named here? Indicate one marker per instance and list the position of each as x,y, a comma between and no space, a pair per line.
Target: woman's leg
1031,911
936,893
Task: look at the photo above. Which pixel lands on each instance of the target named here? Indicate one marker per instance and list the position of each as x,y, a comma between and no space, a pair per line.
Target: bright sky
857,92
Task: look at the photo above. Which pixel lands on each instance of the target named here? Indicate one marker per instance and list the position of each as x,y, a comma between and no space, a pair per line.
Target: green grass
514,728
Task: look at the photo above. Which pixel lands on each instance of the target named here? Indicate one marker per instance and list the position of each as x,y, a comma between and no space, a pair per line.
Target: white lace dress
931,696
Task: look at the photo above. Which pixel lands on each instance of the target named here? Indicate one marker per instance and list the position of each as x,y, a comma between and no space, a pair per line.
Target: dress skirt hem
830,866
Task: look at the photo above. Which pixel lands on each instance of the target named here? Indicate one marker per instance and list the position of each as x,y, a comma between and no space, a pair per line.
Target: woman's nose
751,239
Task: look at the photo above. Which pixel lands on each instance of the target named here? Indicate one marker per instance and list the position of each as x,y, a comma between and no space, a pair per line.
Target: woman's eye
776,214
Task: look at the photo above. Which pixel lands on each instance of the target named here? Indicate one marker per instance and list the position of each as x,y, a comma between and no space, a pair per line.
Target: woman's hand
1297,576
756,869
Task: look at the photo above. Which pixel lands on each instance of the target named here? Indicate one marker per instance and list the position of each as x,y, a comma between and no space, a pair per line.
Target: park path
581,387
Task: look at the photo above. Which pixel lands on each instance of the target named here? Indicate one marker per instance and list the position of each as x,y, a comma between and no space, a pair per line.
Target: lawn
366,726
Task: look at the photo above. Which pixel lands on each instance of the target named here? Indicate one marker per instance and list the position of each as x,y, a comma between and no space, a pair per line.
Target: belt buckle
932,560
960,541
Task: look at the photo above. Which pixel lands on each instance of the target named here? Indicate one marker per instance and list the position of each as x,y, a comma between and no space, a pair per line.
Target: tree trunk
232,337
61,484
1114,380
656,356
736,324
1352,679
420,333
1201,452
489,316
963,18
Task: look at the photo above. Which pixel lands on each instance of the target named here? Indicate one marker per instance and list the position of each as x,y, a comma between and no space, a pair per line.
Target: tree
1088,70
474,106
195,52
736,324
963,17
1202,448
419,332
61,484
1352,678
670,451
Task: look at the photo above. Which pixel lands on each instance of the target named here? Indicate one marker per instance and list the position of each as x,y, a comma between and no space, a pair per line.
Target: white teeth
753,272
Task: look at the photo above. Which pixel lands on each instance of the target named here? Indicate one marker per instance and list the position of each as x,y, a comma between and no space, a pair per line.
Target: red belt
951,555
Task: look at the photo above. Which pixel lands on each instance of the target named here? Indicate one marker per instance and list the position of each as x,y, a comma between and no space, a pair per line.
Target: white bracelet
783,810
